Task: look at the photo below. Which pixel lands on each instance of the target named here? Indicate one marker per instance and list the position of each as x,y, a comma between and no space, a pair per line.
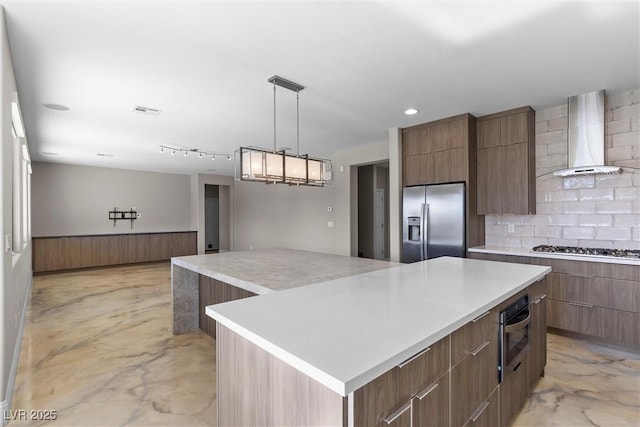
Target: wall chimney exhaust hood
586,136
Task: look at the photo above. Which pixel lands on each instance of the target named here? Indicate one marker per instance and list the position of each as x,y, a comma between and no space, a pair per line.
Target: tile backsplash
597,211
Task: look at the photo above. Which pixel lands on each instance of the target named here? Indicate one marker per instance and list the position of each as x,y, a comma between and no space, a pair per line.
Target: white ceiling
206,65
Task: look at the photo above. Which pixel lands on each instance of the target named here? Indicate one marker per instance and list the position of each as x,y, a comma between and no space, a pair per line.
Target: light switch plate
511,228
330,224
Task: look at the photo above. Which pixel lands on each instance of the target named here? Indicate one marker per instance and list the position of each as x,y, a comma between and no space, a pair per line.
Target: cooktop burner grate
619,253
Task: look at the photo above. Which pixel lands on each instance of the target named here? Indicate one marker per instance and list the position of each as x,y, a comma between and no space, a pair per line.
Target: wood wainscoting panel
73,252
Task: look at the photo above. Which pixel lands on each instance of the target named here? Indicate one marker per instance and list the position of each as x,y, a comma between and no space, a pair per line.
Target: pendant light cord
274,116
298,122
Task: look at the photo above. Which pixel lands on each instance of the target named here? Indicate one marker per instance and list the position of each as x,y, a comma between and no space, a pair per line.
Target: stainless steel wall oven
514,336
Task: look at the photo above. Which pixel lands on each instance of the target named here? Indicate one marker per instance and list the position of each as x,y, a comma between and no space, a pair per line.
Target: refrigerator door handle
425,229
422,239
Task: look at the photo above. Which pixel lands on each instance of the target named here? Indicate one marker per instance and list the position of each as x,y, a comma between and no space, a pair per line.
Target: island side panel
256,388
184,297
212,291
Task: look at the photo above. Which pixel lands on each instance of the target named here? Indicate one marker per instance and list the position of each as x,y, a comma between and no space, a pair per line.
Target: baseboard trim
6,404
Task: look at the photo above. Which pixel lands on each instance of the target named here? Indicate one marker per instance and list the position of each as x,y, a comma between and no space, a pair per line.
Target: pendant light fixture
276,166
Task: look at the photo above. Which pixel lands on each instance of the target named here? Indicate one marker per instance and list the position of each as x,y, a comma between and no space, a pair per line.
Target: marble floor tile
98,349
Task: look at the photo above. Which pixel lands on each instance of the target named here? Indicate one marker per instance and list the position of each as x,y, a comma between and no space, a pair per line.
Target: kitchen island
233,275
410,342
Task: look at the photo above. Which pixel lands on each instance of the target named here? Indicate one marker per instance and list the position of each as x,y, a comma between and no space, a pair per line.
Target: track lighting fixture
186,151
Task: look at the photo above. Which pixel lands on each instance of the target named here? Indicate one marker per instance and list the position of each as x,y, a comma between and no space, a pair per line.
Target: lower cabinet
430,407
538,352
514,391
488,413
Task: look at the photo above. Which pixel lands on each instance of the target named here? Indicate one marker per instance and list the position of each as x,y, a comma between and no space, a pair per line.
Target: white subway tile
627,138
614,206
578,232
626,220
595,220
547,231
490,220
505,242
619,99
630,245
541,127
557,124
549,182
583,207
617,180
552,137
619,153
556,148
635,125
597,194
550,208
535,219
626,112
563,242
523,231
558,196
613,233
633,163
542,150
627,193
558,161
579,182
607,244
635,178
530,242
635,232
563,219
496,230
617,126
551,113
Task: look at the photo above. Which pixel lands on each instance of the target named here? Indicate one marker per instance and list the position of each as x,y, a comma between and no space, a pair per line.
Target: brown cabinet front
431,405
505,163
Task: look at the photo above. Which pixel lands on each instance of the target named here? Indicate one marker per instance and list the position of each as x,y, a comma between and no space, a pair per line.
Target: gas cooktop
574,250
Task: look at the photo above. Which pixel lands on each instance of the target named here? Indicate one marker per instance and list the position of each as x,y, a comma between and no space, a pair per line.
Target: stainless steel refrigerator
433,221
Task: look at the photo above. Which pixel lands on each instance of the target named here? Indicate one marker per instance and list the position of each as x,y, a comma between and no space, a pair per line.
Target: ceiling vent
147,110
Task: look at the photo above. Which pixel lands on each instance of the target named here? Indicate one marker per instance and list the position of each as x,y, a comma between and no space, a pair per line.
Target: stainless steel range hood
586,136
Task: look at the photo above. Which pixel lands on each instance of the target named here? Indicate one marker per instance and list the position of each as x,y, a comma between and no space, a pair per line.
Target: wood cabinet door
449,165
514,392
488,133
514,189
489,187
431,405
487,414
514,129
411,142
573,317
379,399
411,170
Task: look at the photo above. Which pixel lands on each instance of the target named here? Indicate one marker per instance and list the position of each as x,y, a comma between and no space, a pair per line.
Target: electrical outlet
330,224
7,243
511,228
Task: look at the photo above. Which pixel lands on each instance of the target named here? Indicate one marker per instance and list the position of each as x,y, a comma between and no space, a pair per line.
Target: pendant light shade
276,166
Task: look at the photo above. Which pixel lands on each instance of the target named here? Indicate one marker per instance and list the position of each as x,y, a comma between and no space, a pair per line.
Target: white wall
75,200
276,215
15,269
601,211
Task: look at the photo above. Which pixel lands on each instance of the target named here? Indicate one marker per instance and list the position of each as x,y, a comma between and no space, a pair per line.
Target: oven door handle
519,325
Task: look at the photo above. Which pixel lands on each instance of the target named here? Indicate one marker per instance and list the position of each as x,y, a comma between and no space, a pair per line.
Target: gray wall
75,200
15,269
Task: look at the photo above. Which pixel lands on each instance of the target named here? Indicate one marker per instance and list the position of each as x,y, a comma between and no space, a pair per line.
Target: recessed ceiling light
104,155
49,153
411,111
56,107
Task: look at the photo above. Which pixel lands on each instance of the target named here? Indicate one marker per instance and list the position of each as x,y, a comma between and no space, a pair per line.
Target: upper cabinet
437,152
506,162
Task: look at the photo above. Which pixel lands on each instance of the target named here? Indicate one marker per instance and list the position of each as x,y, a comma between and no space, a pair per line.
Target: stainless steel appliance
513,342
575,250
433,223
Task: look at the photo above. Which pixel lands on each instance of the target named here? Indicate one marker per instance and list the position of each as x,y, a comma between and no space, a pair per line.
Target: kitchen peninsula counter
523,252
258,272
346,332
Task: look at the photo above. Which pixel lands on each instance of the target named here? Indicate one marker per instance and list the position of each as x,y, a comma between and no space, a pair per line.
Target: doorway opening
211,218
373,211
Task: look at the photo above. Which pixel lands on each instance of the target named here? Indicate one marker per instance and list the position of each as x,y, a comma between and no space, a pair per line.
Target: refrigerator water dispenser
414,228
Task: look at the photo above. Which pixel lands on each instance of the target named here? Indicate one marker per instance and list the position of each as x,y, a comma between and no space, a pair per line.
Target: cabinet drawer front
487,414
433,408
424,369
600,292
575,318
473,334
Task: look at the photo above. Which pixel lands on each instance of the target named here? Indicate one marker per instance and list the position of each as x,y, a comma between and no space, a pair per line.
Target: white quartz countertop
571,257
267,270
345,332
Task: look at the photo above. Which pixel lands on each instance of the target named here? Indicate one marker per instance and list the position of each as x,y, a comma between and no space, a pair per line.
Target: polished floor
98,350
